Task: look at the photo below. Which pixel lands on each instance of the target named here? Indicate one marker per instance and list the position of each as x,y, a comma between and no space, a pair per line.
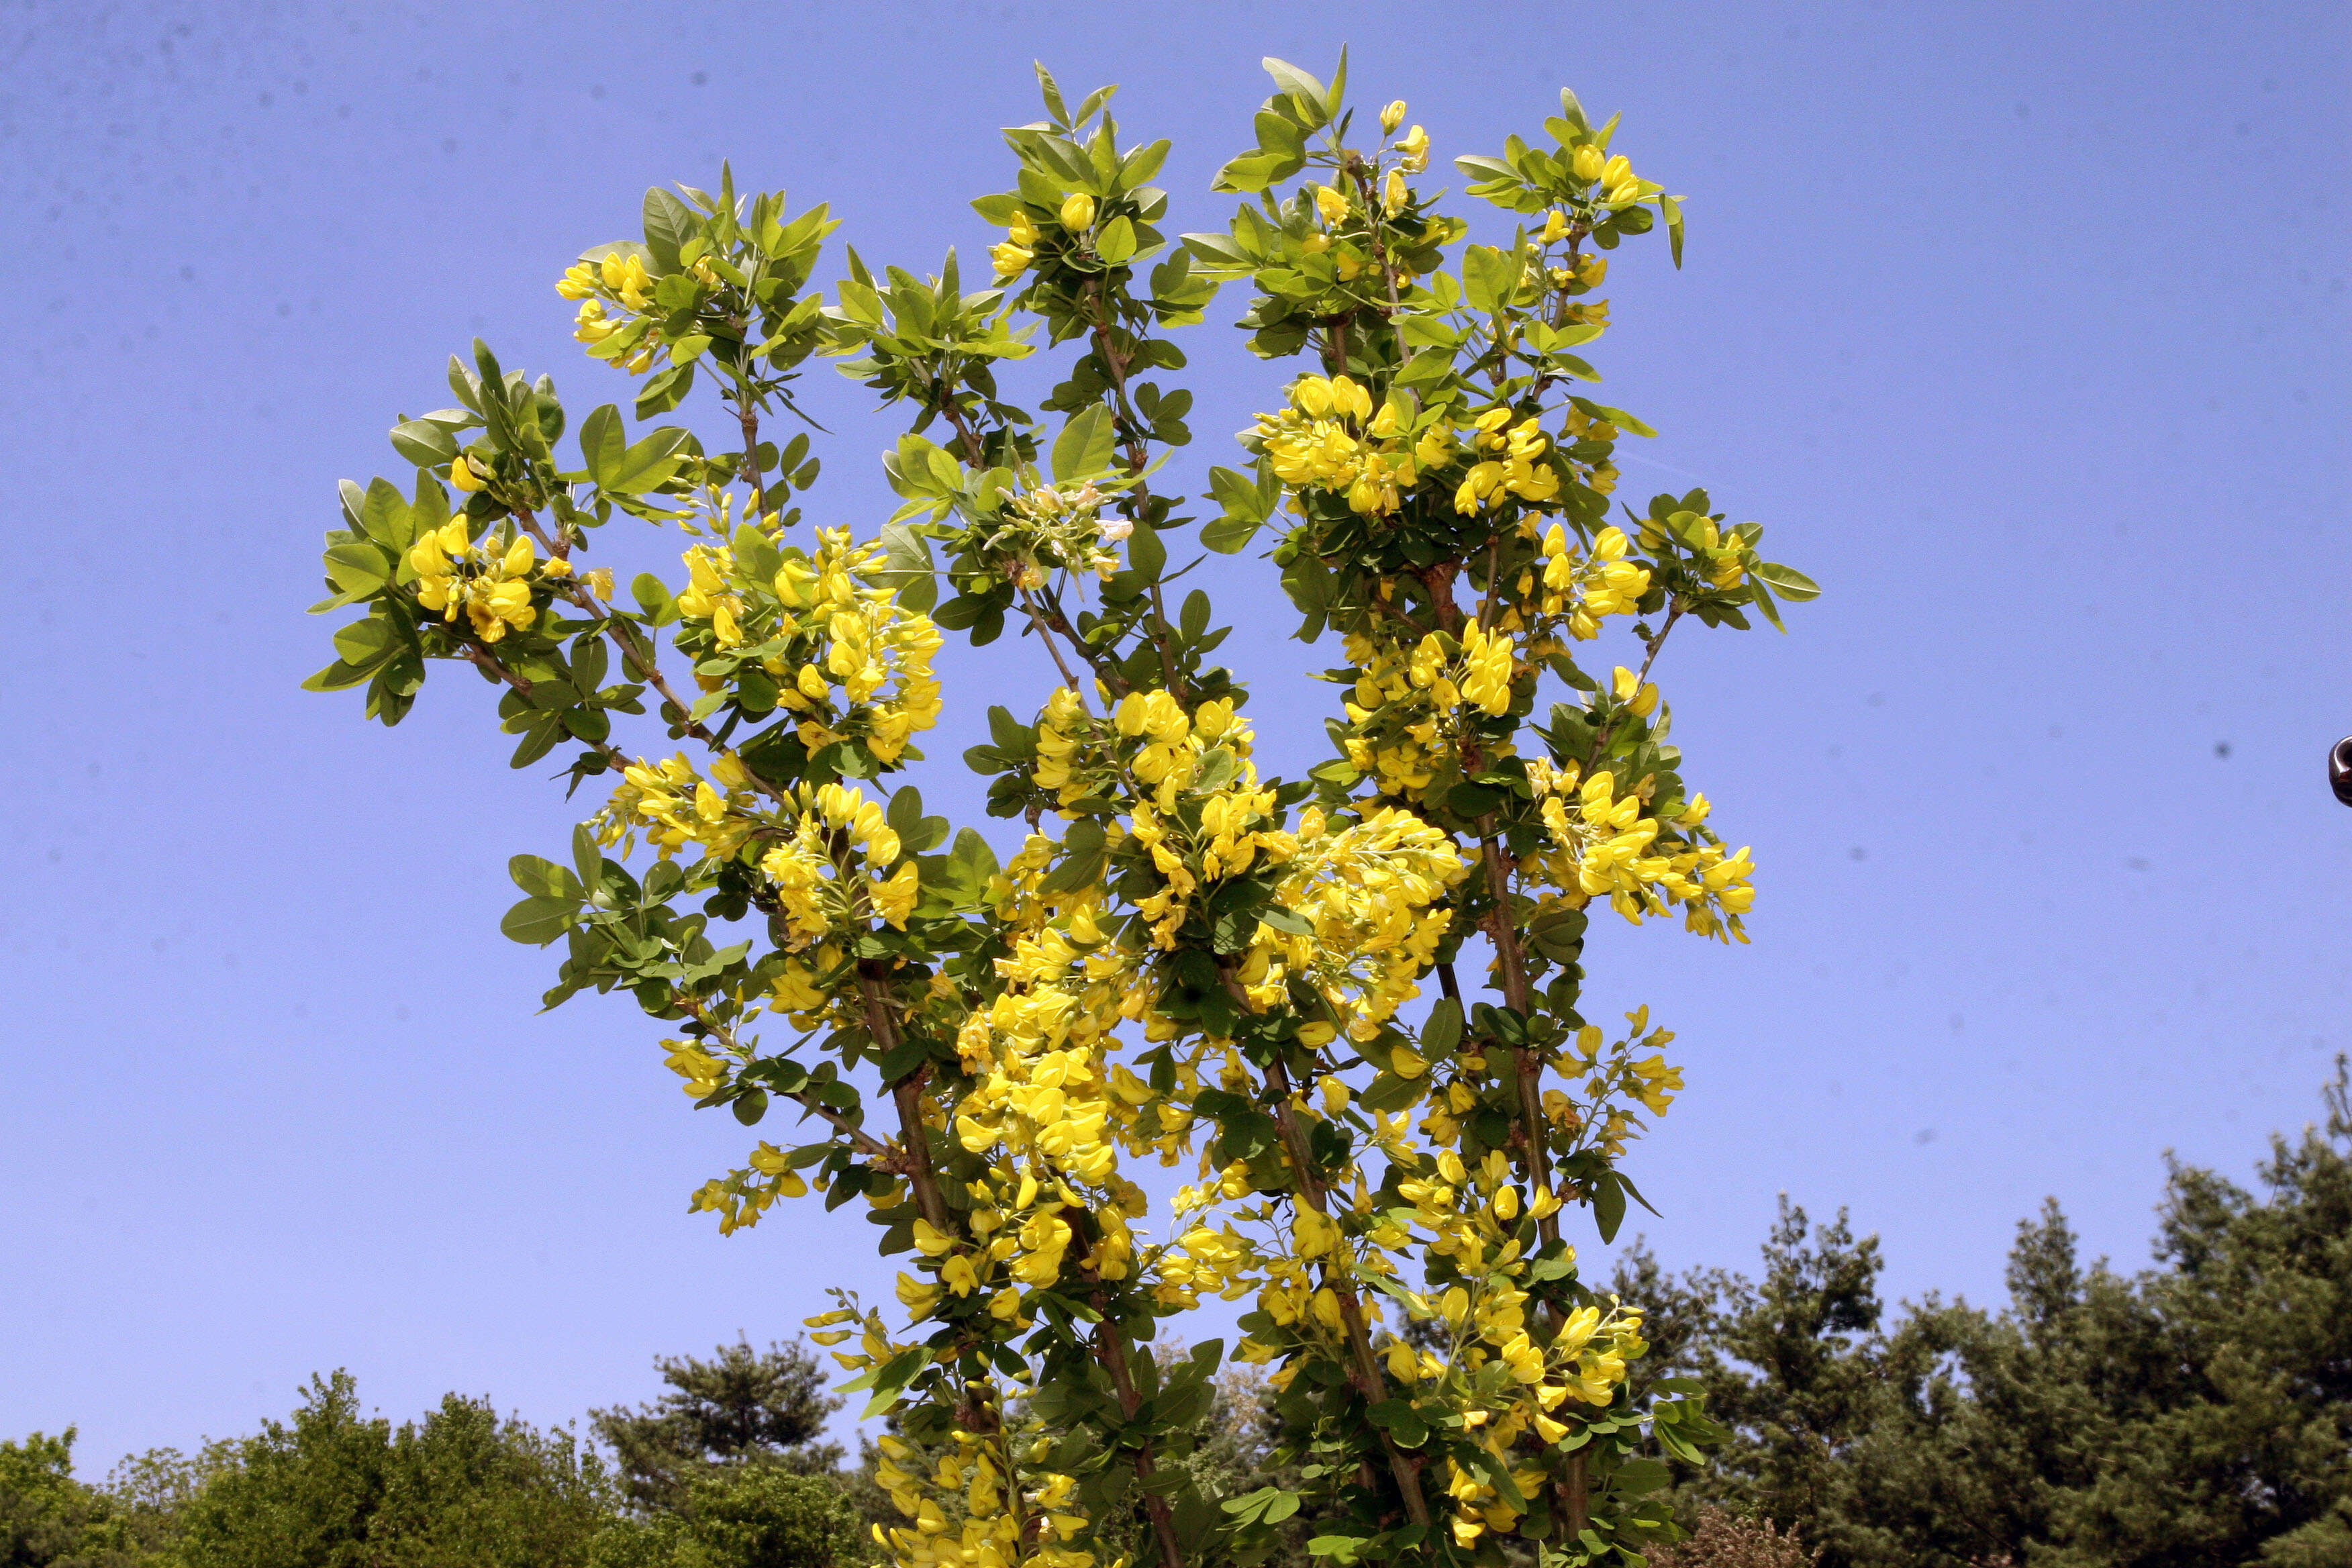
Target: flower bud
1079,213
1391,117
1585,164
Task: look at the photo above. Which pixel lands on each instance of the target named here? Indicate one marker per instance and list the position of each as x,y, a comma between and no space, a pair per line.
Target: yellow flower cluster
1606,844
1507,1385
491,588
1075,216
619,279
1369,893
1330,439
1220,1261
1005,1523
740,1198
831,645
1513,461
1236,827
816,849
1723,553
1064,530
1406,709
1586,590
1613,175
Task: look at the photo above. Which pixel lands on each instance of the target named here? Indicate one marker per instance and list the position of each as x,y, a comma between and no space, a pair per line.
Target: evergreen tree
2197,1414
742,1406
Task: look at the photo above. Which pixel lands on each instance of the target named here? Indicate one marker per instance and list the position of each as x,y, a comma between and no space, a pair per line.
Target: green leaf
336,677
1786,581
1673,214
1489,277
358,569
653,596
664,390
1390,1092
424,443
384,517
755,555
542,878
366,644
539,921
1229,535
1442,1033
1636,1477
906,567
750,1106
1116,243
587,858
668,223
601,442
1145,553
1616,417
891,1378
1085,447
1299,85
1608,1205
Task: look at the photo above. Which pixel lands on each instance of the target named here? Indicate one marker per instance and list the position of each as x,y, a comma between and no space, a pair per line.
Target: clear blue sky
2021,328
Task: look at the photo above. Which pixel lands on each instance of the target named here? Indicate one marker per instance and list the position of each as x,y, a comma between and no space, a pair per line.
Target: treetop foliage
1184,960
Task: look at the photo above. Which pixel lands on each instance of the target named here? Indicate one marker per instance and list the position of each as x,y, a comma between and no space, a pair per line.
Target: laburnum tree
1184,960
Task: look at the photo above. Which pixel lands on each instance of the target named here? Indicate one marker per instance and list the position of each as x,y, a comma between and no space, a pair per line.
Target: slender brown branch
865,1142
1364,1369
1364,174
1601,742
1046,634
908,1094
1138,457
1110,1349
640,659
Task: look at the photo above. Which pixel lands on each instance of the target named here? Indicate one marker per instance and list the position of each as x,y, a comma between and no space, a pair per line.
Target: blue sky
2019,328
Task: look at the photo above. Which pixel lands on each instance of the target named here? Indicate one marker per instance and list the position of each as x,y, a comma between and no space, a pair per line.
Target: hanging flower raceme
1370,894
834,648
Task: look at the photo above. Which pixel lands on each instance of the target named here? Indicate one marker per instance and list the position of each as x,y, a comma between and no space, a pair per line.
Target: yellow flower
1079,213
1010,260
1392,201
1391,117
1330,204
1585,162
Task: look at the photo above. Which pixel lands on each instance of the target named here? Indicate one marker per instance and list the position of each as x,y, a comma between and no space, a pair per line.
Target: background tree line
2196,1413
